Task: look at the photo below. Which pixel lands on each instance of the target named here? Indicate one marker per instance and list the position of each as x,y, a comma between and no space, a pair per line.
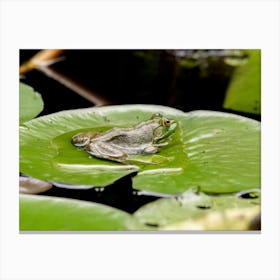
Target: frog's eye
156,116
165,122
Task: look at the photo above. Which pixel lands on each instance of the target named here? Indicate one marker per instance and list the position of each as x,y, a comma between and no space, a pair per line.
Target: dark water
120,195
138,76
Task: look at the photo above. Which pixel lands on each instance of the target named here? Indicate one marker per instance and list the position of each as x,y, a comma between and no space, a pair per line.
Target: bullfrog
117,144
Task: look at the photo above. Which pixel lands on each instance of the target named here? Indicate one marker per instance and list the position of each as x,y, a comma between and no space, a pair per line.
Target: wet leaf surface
244,91
213,151
193,210
30,103
52,213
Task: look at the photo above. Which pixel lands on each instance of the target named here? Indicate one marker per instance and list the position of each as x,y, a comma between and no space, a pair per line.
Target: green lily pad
191,206
30,103
221,154
244,91
214,151
52,213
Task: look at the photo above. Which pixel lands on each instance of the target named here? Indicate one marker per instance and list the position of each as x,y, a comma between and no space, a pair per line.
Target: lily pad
29,185
221,154
52,213
30,103
214,151
230,219
244,91
192,208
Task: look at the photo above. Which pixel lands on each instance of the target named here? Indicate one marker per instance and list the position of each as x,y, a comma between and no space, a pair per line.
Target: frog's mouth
171,129
173,126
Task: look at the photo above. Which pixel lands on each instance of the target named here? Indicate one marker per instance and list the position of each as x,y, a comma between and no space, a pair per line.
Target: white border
140,24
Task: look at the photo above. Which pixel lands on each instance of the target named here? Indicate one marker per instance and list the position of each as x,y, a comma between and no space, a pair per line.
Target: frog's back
134,138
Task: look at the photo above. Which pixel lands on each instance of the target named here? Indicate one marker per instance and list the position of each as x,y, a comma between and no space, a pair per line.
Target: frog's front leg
161,144
150,150
106,151
154,148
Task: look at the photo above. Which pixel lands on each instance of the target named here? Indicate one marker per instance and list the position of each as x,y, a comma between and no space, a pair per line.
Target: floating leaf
213,151
221,154
52,213
30,103
244,91
46,151
29,185
190,210
231,219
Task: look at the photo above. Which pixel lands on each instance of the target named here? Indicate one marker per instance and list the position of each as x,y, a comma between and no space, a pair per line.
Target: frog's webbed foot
151,150
101,150
154,148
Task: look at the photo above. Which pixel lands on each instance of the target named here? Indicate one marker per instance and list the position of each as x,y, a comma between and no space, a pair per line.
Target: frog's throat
161,139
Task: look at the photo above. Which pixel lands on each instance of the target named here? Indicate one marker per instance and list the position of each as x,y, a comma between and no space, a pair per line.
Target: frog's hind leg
102,150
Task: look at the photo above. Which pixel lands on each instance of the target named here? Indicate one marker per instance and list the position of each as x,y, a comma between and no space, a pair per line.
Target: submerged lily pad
214,151
30,103
52,213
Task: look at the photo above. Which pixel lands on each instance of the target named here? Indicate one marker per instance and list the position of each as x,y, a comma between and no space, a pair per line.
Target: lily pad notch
217,152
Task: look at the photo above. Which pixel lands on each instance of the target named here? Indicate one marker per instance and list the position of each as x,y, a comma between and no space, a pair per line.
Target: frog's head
80,140
83,139
165,127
